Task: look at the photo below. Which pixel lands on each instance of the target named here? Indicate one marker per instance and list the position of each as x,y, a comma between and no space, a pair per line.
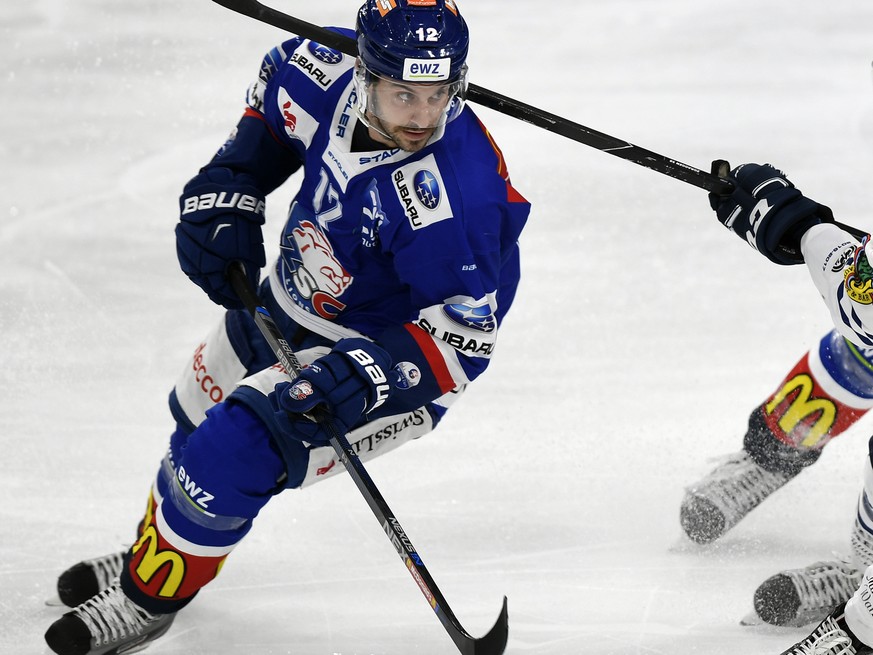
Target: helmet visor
419,105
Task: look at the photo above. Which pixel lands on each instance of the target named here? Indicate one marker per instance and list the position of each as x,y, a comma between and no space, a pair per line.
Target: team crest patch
301,390
858,280
408,375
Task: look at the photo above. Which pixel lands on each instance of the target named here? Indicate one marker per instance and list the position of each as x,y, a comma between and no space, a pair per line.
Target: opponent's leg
824,394
799,596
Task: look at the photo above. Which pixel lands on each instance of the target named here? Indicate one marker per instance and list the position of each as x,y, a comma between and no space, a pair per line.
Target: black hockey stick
514,108
501,103
493,643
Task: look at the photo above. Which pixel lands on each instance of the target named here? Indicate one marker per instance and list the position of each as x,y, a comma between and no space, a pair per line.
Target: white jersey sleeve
839,267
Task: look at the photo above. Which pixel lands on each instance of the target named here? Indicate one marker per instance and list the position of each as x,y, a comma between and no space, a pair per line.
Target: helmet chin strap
361,106
371,124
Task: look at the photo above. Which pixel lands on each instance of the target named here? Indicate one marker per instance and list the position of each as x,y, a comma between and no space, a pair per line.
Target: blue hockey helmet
413,40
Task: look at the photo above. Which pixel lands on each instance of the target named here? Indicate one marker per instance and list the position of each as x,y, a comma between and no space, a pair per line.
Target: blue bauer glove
221,218
350,381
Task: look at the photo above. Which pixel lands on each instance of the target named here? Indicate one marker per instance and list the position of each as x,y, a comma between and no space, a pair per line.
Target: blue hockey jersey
417,251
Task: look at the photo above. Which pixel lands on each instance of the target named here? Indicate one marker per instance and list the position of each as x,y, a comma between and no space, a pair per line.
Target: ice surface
642,336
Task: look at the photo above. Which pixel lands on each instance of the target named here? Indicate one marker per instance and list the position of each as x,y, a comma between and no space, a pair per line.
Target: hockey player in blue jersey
398,262
768,212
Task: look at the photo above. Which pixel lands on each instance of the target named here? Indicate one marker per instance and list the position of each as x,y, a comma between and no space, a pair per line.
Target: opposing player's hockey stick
501,103
493,643
514,108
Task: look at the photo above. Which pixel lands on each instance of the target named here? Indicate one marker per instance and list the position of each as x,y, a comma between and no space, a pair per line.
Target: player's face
408,113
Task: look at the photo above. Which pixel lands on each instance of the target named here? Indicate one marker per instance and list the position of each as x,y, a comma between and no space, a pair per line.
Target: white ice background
642,336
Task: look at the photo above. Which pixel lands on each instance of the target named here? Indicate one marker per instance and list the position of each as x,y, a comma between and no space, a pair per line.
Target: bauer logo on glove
223,200
349,382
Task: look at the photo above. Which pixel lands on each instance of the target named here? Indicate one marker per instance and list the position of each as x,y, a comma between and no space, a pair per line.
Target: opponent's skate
831,637
107,624
799,596
715,504
88,578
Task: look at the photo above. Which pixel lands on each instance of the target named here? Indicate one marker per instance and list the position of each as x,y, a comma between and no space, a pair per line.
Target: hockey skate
799,596
715,504
88,578
831,637
107,624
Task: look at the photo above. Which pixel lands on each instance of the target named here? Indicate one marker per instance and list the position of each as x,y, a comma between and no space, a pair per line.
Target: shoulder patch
269,65
298,123
318,62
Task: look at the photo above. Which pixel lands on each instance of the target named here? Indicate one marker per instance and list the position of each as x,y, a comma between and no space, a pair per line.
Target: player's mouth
416,134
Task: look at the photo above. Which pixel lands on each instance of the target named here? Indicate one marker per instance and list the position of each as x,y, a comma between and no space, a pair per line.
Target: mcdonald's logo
815,416
153,560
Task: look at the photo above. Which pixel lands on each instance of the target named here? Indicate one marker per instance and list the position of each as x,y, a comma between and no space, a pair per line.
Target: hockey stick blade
493,643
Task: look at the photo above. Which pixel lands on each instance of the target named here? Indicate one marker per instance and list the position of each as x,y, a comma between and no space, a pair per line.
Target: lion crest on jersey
319,279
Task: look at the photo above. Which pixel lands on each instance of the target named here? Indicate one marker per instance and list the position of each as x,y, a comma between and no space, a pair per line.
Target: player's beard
405,138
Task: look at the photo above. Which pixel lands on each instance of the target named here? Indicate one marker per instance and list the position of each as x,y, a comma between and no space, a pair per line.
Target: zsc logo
427,188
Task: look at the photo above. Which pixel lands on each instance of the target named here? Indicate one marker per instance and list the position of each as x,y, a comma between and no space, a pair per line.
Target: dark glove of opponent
221,218
351,380
767,211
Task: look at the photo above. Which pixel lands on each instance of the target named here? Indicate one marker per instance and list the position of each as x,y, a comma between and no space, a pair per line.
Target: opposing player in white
776,219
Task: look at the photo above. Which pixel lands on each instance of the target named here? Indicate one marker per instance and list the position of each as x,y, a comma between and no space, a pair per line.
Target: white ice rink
642,336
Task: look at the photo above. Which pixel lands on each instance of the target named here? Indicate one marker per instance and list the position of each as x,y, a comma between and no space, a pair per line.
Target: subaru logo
325,54
479,318
427,189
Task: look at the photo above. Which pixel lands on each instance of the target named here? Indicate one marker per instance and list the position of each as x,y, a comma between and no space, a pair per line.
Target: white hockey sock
859,609
862,546
862,531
